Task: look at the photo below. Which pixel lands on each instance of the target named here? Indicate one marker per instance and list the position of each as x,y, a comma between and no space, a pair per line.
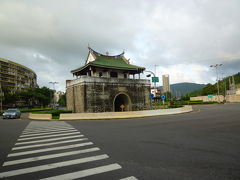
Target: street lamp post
153,76
149,75
216,67
223,78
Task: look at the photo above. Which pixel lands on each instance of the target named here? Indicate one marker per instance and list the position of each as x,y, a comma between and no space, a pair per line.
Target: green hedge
194,102
35,109
55,113
175,106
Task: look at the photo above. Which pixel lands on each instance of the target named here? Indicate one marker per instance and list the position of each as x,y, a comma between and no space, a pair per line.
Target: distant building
166,84
233,88
14,76
107,83
57,95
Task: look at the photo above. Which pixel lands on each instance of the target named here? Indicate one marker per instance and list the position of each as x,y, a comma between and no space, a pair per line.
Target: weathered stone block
94,94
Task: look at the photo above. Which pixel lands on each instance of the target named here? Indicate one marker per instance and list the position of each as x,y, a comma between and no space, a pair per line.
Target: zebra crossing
56,150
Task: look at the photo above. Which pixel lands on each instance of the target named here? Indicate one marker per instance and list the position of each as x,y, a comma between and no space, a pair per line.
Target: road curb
124,115
112,115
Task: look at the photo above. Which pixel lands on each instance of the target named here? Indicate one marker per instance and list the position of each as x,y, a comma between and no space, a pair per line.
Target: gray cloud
51,37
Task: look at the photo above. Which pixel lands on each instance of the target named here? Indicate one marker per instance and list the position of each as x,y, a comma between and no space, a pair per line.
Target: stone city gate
107,83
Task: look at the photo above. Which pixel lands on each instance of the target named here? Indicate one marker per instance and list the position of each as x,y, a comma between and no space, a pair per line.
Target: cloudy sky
181,37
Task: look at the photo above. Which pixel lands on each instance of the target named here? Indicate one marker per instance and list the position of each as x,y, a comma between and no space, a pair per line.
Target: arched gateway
122,102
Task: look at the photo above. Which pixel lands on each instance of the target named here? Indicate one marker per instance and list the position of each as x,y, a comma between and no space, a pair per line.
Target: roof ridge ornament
107,53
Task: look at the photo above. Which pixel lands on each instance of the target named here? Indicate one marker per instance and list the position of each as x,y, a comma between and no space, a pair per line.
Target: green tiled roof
110,62
114,63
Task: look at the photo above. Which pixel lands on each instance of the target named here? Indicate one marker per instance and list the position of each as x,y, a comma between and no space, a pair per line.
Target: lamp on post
149,75
216,67
154,80
223,78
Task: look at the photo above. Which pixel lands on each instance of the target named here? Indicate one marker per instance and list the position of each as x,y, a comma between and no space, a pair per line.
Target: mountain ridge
180,89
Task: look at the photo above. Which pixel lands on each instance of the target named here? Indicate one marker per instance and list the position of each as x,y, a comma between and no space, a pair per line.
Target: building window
125,76
113,74
100,74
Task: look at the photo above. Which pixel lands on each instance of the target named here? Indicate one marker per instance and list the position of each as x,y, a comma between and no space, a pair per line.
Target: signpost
151,98
155,79
122,107
163,98
151,95
211,96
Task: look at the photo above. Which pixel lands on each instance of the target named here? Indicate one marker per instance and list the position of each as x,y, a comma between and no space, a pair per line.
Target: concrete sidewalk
123,115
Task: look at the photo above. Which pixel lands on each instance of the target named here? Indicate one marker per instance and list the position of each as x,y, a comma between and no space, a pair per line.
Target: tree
185,97
168,95
62,100
29,97
43,95
10,98
209,89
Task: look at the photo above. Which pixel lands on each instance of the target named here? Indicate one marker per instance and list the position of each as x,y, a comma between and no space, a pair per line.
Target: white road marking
29,131
50,149
129,178
34,134
52,166
38,158
48,144
85,173
47,140
44,133
47,136
47,126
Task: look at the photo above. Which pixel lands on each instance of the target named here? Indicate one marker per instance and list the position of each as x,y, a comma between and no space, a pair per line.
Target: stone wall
206,98
233,98
93,94
229,98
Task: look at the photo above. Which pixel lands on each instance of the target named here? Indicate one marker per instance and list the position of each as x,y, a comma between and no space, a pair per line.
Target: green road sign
155,79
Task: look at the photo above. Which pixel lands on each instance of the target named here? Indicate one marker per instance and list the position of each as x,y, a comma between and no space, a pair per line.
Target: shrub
175,106
55,113
35,109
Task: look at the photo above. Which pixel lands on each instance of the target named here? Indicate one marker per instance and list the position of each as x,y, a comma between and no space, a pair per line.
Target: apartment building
14,76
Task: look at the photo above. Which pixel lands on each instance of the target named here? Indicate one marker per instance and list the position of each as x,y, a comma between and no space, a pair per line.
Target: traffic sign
122,107
151,96
155,79
163,97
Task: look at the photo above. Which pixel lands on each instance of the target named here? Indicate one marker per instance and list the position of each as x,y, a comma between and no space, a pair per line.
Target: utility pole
53,99
225,86
155,80
153,76
216,67
155,73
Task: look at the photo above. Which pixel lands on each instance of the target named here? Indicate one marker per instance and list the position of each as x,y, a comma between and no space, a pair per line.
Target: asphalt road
204,144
